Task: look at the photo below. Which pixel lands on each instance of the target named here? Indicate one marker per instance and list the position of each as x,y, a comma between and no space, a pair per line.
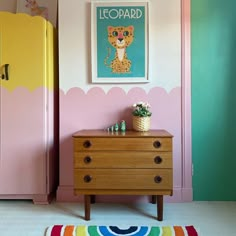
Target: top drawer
126,144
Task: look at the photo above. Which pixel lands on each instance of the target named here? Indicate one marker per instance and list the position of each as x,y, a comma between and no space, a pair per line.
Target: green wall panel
213,34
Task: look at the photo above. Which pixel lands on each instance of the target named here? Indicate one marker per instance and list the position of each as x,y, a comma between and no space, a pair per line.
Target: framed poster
44,8
119,42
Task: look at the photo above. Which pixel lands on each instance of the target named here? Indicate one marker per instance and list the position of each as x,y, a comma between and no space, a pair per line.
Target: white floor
22,218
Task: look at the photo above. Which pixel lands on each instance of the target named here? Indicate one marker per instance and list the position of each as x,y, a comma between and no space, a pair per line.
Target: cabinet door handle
87,144
6,76
157,144
157,179
6,71
87,178
158,160
87,159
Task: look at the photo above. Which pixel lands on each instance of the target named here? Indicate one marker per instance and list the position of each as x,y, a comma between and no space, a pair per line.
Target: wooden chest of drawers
129,163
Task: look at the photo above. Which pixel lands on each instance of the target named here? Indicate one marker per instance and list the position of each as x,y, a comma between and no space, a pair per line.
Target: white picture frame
119,42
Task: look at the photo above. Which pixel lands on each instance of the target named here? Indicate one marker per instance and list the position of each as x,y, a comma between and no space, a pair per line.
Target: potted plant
141,116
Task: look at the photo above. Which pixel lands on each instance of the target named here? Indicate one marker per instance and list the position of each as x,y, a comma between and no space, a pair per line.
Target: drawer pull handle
87,178
157,144
87,144
158,179
87,159
158,160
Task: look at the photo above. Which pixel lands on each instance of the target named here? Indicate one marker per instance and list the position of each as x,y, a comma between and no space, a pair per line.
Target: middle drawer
121,159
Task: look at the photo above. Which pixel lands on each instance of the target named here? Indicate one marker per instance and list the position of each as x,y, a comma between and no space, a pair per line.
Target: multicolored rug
92,230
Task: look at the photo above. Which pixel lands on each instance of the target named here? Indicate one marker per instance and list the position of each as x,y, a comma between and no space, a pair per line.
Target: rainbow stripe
92,230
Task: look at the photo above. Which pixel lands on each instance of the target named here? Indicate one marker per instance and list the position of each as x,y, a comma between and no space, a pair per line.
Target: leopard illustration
120,38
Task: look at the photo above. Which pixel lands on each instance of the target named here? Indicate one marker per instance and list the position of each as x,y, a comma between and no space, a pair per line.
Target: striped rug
92,230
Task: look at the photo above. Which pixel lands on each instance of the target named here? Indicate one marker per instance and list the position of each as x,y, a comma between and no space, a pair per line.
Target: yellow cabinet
28,108
26,45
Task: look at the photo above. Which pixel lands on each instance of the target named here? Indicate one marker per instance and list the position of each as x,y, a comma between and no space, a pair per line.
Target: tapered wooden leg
87,201
93,199
153,199
159,207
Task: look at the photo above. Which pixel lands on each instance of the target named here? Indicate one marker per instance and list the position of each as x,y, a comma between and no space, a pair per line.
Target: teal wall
213,25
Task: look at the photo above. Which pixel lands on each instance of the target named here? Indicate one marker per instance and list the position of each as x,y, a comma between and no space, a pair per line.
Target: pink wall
98,110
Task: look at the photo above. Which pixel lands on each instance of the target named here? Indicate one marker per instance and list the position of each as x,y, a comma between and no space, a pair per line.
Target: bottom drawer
123,179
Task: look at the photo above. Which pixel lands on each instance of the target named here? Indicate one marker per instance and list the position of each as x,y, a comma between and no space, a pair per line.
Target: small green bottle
122,126
116,127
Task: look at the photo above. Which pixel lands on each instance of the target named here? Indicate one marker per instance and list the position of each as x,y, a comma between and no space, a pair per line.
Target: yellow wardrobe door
26,109
23,47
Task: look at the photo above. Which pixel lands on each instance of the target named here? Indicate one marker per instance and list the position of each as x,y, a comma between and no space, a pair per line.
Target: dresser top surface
126,134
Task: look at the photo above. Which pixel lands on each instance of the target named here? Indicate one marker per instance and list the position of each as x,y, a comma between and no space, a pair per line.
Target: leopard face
120,37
